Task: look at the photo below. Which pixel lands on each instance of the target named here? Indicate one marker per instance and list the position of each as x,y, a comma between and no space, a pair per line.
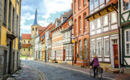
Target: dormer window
57,23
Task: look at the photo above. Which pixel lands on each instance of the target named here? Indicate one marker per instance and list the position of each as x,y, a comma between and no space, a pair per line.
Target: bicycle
99,72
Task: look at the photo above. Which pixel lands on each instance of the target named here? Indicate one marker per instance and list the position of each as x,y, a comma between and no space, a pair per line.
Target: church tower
35,25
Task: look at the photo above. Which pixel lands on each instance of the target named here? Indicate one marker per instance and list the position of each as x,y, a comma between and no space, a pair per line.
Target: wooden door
115,51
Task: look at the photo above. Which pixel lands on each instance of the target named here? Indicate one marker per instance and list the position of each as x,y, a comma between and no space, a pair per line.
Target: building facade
104,36
81,32
48,41
124,8
67,38
26,48
10,12
57,46
43,46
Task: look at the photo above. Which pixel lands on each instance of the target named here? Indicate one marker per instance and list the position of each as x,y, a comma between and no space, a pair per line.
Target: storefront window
91,5
127,43
126,4
113,17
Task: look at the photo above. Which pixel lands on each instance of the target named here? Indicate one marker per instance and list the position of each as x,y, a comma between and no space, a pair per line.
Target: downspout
118,23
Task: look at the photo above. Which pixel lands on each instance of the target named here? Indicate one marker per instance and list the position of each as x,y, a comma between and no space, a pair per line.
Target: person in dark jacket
95,64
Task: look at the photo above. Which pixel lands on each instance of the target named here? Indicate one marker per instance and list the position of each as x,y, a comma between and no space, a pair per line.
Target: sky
48,11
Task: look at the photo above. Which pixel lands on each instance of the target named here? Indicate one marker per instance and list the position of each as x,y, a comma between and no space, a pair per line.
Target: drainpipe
119,24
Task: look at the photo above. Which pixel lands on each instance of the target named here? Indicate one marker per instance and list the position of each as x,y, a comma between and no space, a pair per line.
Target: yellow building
10,12
26,48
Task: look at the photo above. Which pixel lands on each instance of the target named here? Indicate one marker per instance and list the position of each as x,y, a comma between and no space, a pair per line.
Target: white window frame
126,42
100,23
105,20
99,40
108,47
115,14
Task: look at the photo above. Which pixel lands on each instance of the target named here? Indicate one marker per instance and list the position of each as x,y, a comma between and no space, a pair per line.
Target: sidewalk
108,75
27,73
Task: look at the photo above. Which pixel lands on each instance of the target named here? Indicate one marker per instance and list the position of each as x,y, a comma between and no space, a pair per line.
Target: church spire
35,19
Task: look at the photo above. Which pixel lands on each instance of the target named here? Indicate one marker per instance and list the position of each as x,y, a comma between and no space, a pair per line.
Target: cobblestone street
58,73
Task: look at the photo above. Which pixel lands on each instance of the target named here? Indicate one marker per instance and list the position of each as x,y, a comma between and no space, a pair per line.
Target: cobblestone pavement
28,73
58,73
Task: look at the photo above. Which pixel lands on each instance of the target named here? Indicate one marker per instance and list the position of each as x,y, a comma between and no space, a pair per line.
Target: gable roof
26,36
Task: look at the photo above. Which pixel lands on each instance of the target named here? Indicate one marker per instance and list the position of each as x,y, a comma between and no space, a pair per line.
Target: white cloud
43,23
27,8
25,28
53,6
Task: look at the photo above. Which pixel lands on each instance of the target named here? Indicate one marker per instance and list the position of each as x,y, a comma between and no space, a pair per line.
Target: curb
73,70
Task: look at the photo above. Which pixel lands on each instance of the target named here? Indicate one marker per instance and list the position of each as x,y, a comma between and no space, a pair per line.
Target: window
113,17
96,3
32,29
5,12
92,25
10,6
85,23
126,4
106,47
28,41
105,20
99,48
86,48
101,2
91,5
13,20
79,4
85,1
98,23
93,48
80,25
75,6
24,41
76,30
80,49
127,43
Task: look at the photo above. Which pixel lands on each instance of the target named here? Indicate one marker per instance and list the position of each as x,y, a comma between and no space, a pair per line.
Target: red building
81,32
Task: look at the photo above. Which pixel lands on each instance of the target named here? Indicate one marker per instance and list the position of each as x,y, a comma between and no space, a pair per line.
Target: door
115,51
64,55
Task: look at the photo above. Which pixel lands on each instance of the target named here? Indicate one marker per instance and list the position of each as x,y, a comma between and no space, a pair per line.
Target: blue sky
48,11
